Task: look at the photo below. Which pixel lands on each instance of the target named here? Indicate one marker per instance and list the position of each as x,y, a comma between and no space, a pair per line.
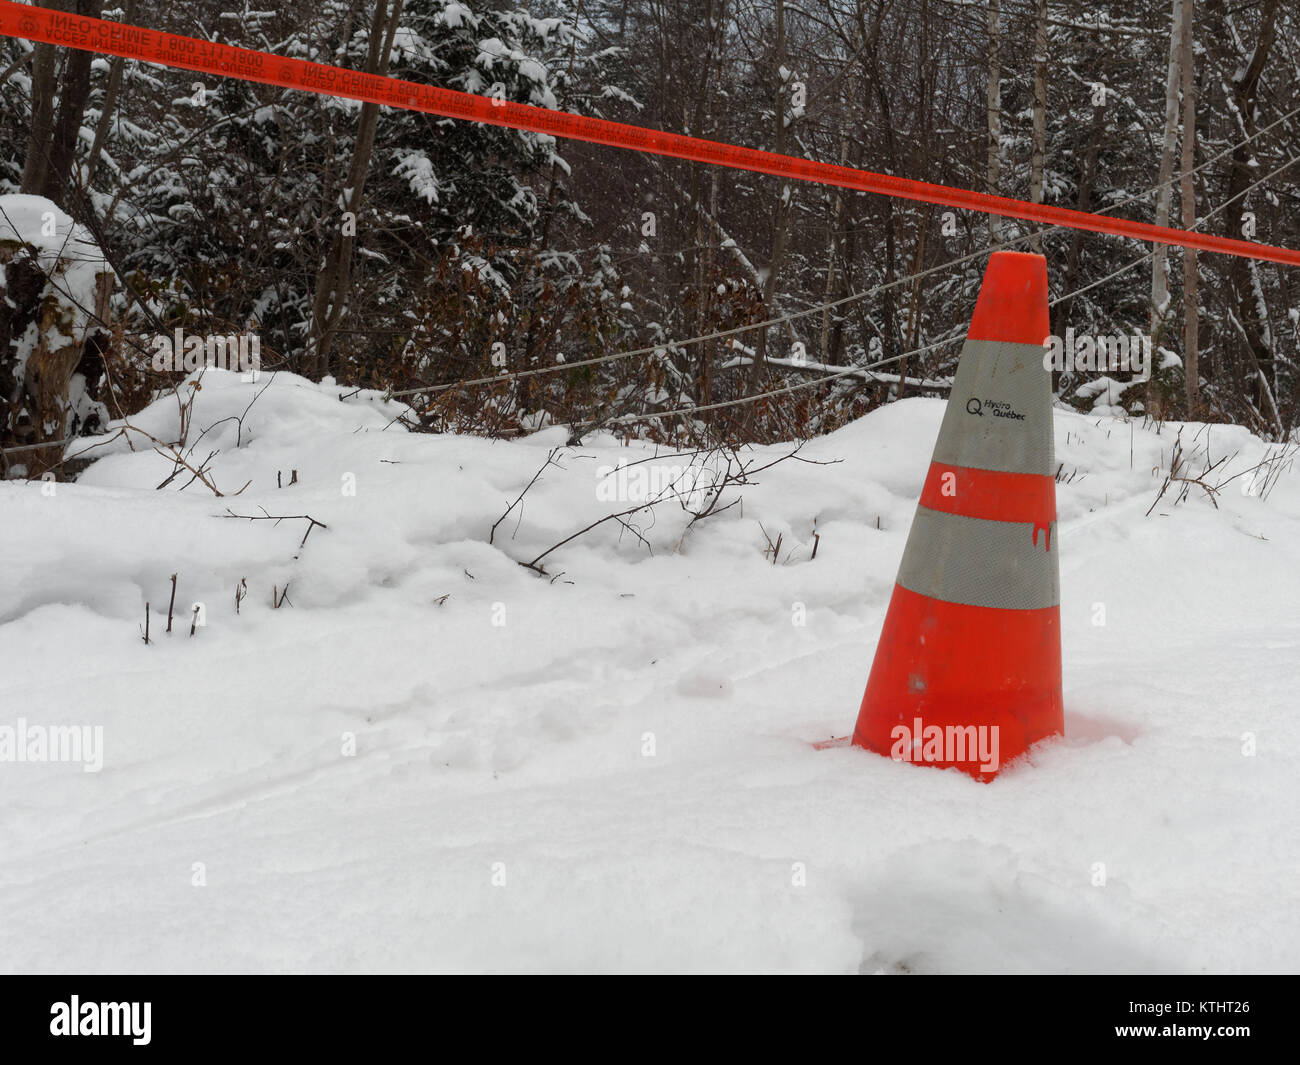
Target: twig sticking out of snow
277,518
550,461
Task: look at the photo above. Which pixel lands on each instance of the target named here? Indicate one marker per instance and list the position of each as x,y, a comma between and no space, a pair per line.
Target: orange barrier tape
190,53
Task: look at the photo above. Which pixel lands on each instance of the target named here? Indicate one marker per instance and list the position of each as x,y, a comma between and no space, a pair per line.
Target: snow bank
433,758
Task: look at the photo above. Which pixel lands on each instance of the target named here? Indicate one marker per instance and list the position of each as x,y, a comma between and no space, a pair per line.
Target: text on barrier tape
191,53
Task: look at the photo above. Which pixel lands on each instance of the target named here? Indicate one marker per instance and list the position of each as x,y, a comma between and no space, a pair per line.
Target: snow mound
432,757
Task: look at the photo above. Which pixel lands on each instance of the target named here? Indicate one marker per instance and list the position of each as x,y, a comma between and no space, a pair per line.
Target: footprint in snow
705,684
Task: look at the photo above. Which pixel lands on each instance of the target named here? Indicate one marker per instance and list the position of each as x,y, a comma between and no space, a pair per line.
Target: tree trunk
1191,309
913,309
73,93
710,264
861,44
111,93
848,253
1244,273
1087,181
994,111
780,214
705,231
889,302
1037,160
36,165
837,212
1165,193
335,281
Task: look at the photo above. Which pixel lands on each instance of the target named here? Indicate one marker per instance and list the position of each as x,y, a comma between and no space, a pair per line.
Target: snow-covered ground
611,768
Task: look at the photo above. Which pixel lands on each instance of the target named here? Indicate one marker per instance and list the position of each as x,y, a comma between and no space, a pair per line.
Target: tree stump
55,293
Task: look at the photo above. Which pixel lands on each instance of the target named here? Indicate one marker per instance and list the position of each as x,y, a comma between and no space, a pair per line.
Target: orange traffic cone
968,669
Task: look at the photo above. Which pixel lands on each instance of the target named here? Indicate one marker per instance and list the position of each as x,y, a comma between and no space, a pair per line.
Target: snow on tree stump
55,288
